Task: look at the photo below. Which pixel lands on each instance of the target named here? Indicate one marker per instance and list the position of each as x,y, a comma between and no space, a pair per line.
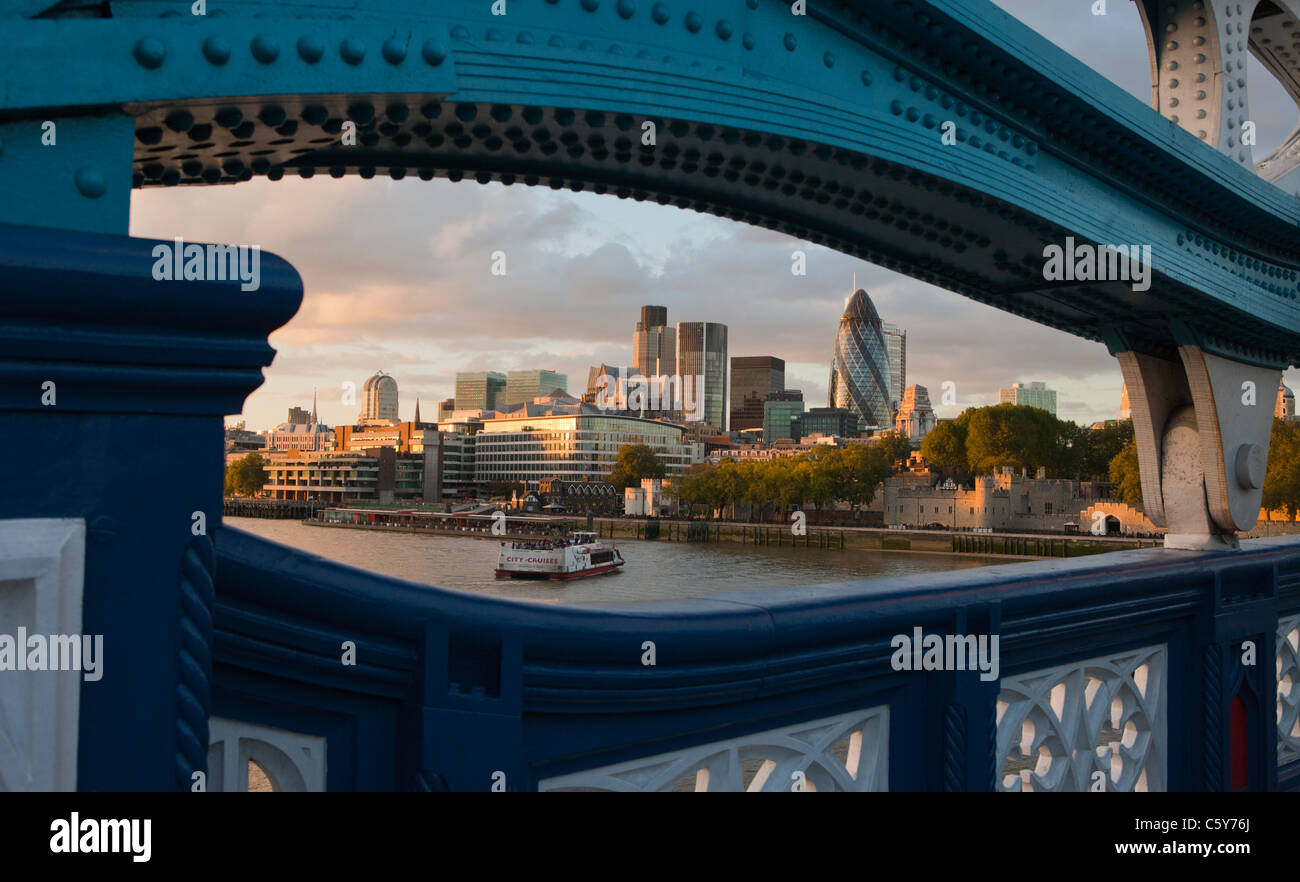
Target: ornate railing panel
849,752
1288,690
291,761
1095,724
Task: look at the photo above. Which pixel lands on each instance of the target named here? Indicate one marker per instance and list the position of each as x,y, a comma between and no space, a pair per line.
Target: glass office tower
860,378
702,352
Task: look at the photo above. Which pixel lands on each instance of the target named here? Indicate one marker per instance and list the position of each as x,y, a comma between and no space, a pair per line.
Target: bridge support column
1202,426
117,383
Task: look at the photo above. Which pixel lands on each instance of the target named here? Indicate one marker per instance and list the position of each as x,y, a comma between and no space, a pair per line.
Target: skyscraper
654,345
753,379
896,345
1032,395
781,413
479,390
523,386
702,362
379,400
860,377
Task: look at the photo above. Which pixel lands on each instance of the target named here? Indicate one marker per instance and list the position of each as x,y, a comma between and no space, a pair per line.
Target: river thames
654,571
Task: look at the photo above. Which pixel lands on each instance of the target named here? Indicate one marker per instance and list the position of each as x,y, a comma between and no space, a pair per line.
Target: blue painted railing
460,691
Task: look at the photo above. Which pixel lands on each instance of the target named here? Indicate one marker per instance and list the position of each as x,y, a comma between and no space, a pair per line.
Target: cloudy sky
397,275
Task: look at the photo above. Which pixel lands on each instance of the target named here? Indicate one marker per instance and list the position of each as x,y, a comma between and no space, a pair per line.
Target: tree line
822,477
984,438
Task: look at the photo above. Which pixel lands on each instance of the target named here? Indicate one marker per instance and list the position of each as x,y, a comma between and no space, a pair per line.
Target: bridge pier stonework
1202,426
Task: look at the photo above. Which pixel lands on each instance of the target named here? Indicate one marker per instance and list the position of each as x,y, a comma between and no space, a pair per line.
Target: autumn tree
635,461
944,446
1123,472
1282,480
246,476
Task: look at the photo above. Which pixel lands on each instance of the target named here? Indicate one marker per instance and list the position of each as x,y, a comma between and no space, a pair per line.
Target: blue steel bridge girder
826,126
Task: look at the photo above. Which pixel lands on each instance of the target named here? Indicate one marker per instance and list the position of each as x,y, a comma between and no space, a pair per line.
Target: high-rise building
915,417
702,361
860,377
445,407
896,346
523,386
781,412
1125,409
654,345
299,416
1031,395
379,400
479,390
753,379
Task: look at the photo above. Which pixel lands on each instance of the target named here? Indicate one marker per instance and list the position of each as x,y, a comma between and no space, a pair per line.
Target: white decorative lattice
1057,727
1288,690
849,752
291,762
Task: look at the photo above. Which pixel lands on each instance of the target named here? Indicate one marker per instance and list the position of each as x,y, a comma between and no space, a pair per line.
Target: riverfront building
576,446
1031,395
702,352
343,477
753,379
860,378
379,401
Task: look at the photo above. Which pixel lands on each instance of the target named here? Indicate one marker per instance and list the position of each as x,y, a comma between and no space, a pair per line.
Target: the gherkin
860,364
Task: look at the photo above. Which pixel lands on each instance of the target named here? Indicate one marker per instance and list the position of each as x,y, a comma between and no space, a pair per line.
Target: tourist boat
568,557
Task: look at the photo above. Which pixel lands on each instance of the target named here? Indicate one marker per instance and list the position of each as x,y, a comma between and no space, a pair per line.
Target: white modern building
653,499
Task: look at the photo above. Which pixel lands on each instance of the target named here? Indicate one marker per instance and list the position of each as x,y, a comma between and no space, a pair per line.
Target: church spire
417,409
314,418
